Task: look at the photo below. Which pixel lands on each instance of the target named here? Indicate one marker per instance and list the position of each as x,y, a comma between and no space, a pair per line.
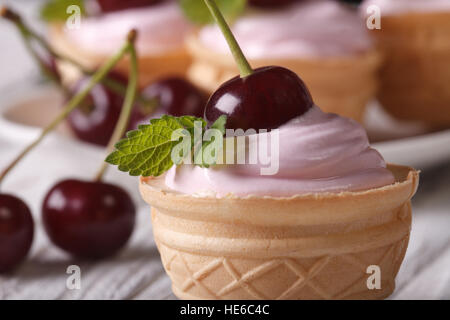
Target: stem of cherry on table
244,66
28,35
130,97
75,101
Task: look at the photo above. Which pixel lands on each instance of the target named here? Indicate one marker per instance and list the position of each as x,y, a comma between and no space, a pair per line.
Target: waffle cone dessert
314,246
339,85
151,67
416,75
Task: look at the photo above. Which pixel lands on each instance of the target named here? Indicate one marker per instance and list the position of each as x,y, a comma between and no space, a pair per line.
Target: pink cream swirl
161,28
308,29
395,7
318,152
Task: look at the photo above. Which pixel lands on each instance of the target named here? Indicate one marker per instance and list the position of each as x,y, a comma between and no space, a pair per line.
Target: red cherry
175,96
16,231
270,3
116,5
266,99
88,219
95,119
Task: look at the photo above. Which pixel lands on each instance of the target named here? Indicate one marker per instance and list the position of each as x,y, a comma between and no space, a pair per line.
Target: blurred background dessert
162,29
324,41
415,76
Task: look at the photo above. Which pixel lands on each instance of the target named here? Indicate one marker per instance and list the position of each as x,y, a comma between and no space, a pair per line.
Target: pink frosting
308,29
161,28
391,7
318,152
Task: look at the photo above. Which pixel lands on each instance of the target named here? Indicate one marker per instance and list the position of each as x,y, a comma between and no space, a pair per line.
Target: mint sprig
197,11
148,150
56,10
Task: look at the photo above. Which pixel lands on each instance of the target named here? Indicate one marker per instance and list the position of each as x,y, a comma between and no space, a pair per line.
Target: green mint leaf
56,10
197,11
188,121
220,123
148,150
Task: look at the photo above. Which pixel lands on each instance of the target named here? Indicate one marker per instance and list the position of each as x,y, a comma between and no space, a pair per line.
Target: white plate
23,112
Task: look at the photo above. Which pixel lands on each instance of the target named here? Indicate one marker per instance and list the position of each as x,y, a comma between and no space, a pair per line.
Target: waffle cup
315,246
416,76
341,85
151,67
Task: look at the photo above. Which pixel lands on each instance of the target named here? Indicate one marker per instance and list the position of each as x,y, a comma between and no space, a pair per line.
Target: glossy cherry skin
88,219
16,231
266,99
270,3
175,96
116,5
95,119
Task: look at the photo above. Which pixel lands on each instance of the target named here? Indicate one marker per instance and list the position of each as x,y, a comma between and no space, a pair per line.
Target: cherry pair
96,119
86,219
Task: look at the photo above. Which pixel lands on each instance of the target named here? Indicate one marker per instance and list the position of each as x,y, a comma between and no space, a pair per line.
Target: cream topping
160,28
392,7
318,152
323,28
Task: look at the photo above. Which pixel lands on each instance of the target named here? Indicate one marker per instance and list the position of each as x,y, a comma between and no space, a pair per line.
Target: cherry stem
28,34
244,67
72,104
130,97
150,104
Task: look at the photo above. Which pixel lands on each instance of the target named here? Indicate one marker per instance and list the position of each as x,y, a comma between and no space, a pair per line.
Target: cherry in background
174,96
88,219
116,5
265,99
94,219
94,121
16,232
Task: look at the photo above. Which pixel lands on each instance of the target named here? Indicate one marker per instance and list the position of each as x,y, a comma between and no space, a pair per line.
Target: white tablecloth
136,272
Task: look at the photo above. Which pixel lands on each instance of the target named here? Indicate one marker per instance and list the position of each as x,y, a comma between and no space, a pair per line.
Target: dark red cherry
266,99
116,5
16,231
88,219
270,3
175,96
96,117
